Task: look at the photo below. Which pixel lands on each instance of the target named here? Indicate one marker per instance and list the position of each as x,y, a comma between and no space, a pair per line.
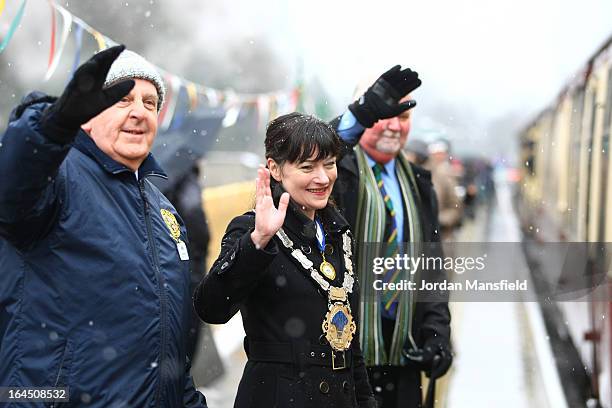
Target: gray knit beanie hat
130,65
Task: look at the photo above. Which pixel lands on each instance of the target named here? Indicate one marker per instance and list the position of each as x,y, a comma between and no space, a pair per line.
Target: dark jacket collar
88,147
349,162
298,223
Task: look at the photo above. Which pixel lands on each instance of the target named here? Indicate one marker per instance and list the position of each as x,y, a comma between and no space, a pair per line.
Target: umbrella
178,149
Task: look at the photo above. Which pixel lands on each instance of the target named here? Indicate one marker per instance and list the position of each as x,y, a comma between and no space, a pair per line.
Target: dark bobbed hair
295,137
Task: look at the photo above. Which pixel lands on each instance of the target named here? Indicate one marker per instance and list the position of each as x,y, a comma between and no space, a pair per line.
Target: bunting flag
213,97
231,115
296,96
268,105
232,108
274,107
52,43
263,110
192,92
103,41
172,93
99,39
54,57
229,98
14,24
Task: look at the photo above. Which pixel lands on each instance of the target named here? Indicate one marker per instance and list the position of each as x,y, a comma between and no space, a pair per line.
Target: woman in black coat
287,266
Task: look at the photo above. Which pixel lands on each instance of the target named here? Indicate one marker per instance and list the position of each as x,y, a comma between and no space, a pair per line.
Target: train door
606,209
604,159
598,169
583,327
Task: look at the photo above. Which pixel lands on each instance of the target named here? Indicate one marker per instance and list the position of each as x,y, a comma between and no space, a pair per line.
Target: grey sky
480,61
487,66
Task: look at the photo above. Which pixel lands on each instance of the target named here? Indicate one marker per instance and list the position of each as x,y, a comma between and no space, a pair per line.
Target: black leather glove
84,97
441,360
435,358
381,100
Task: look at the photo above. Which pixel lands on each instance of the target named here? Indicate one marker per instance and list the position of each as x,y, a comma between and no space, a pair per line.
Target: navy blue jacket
93,294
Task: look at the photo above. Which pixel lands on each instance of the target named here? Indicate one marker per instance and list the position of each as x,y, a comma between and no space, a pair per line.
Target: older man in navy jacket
94,270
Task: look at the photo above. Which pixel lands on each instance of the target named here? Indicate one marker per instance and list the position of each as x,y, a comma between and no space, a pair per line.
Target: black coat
431,321
282,309
186,196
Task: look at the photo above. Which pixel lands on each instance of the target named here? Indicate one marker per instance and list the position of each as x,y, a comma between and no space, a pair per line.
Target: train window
530,164
574,162
608,110
593,117
589,217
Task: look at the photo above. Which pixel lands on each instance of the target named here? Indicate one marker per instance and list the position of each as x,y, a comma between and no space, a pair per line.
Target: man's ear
87,127
275,170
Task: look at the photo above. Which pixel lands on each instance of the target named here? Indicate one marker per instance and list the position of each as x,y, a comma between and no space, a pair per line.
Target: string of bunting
268,105
54,57
14,24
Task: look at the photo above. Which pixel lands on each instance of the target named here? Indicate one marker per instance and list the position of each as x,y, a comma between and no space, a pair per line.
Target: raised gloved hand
381,100
435,358
84,97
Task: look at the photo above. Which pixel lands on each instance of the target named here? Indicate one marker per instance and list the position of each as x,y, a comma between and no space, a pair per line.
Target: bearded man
389,201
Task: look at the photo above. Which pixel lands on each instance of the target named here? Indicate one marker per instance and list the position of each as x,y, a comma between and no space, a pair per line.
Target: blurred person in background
287,266
185,193
417,152
94,289
388,200
469,181
186,196
445,185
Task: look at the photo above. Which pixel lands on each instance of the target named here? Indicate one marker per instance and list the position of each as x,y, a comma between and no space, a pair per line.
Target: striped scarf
370,228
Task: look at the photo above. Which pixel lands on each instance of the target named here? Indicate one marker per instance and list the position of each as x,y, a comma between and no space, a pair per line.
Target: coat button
346,386
324,387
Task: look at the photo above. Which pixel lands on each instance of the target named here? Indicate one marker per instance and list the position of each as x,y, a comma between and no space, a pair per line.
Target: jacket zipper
59,372
160,283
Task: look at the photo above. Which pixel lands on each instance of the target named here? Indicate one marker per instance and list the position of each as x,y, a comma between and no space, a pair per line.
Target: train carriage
566,196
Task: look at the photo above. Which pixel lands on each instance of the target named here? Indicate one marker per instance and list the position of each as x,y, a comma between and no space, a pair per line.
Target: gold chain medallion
337,294
327,269
339,326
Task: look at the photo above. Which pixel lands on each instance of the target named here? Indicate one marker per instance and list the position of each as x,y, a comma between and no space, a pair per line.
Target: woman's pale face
309,183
